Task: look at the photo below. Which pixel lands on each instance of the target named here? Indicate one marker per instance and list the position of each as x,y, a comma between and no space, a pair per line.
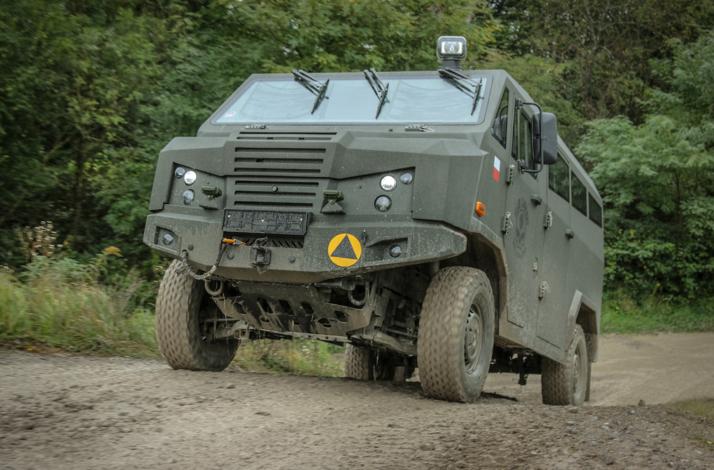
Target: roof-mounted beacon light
451,50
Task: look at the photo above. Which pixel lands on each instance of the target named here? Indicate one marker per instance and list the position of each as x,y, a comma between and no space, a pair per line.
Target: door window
499,129
523,131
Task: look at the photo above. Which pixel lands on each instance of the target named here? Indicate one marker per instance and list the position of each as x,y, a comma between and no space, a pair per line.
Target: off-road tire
179,305
452,294
559,383
357,364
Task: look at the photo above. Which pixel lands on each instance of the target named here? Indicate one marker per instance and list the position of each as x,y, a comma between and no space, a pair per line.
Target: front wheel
456,334
569,383
182,311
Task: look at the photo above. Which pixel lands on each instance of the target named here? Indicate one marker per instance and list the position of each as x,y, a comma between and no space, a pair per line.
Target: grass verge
622,315
59,305
299,356
62,304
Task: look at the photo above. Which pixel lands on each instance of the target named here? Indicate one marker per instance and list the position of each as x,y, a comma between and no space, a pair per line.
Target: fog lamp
167,239
188,196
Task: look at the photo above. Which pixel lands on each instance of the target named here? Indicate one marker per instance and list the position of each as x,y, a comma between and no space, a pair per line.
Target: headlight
188,196
190,177
179,172
383,203
388,183
406,178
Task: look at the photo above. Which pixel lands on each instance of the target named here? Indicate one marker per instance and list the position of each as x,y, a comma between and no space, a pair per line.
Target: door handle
536,199
569,234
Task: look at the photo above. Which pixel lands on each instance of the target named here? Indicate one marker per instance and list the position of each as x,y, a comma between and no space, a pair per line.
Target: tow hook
259,254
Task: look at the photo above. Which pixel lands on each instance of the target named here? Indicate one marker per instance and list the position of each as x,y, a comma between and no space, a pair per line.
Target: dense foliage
91,90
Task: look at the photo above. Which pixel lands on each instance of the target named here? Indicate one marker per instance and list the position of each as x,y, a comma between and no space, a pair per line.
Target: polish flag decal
496,172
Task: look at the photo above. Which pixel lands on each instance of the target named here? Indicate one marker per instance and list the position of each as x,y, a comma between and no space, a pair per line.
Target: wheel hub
579,373
472,339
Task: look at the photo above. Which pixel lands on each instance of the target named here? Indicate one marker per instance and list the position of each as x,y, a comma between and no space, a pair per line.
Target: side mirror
548,145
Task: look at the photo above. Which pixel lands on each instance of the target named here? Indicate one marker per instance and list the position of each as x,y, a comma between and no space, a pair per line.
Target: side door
554,290
523,227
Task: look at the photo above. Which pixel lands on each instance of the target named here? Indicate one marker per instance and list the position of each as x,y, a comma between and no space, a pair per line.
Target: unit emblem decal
520,227
344,250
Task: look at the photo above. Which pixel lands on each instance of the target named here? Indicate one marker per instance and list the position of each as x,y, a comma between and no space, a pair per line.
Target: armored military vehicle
429,220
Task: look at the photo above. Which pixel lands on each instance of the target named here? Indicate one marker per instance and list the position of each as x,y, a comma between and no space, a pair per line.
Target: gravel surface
62,411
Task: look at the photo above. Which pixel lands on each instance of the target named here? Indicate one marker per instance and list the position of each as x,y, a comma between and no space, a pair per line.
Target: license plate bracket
266,222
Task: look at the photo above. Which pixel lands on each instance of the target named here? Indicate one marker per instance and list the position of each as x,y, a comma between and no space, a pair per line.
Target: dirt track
61,411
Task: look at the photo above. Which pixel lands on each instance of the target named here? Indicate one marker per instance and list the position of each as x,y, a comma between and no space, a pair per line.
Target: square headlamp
451,48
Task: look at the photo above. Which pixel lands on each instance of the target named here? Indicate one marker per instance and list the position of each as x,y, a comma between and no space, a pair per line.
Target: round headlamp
189,177
383,203
388,183
406,178
188,196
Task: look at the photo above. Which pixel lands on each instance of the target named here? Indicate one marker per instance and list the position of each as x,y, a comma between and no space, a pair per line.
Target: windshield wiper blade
462,82
379,87
313,85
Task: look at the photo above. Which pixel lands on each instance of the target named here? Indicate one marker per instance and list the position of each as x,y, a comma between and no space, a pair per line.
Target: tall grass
62,304
98,306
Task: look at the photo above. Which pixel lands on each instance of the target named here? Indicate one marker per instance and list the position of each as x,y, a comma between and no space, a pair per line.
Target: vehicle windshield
410,99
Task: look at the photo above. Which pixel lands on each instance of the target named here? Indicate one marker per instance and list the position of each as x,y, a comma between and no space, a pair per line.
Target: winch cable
225,243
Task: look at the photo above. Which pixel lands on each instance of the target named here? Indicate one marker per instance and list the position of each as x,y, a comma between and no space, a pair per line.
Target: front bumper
201,237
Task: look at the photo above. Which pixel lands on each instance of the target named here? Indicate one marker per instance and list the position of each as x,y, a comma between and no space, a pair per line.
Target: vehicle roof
497,77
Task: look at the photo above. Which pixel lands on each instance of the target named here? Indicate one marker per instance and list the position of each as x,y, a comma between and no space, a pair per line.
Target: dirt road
60,411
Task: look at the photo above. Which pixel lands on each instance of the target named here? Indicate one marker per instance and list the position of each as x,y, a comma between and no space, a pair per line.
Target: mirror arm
539,163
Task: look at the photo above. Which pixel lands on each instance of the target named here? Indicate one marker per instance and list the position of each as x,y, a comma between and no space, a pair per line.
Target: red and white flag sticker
496,173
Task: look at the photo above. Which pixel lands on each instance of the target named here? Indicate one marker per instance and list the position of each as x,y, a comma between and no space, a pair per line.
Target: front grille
280,171
279,192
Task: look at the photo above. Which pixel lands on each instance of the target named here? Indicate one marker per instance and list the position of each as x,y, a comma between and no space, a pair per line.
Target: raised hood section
291,169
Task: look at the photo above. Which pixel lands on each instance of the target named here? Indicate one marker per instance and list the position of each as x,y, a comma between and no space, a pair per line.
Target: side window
579,194
500,123
523,146
595,210
558,181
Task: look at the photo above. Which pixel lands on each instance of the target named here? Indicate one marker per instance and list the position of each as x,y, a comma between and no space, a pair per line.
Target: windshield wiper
379,87
463,83
314,86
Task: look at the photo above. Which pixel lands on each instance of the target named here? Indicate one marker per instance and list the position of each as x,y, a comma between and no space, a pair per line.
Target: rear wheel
456,333
182,311
569,383
368,364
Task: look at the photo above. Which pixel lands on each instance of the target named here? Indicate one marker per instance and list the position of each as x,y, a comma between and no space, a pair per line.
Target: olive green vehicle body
543,255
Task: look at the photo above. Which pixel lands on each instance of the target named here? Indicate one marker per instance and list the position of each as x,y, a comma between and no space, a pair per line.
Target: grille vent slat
280,242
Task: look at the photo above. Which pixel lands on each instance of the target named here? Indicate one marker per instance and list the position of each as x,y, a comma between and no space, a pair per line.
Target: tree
657,180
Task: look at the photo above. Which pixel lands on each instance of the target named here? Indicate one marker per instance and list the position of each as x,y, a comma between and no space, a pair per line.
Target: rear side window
500,124
579,194
595,210
558,178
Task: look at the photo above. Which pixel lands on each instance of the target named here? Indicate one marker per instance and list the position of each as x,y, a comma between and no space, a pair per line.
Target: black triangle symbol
344,249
